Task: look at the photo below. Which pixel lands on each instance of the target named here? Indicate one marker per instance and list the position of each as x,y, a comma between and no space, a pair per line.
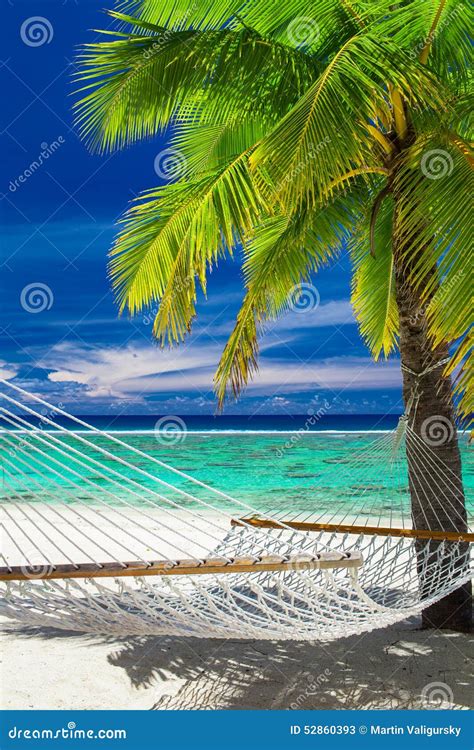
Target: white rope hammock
100,536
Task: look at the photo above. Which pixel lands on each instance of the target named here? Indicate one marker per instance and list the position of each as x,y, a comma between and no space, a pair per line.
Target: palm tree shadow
389,670
384,669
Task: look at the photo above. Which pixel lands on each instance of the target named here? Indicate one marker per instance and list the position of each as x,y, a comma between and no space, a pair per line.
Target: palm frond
203,147
135,85
436,31
178,14
373,283
295,22
283,252
435,186
324,136
461,369
173,234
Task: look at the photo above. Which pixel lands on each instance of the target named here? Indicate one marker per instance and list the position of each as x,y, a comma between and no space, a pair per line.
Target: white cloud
334,313
7,371
354,373
119,372
137,370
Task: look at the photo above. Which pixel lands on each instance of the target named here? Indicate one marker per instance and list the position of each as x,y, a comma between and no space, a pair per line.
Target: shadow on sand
387,668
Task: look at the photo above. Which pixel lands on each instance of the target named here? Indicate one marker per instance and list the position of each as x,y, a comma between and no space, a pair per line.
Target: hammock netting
77,499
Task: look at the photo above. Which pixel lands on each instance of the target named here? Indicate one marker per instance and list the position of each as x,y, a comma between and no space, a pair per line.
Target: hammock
99,536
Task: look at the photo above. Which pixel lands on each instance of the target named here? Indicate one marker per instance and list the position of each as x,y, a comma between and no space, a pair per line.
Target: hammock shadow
293,675
387,668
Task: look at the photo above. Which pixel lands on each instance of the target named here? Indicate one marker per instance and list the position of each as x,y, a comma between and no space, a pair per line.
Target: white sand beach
101,533
387,668
45,668
235,383
58,533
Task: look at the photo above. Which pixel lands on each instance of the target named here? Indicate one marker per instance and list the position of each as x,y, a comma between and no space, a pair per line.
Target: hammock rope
99,536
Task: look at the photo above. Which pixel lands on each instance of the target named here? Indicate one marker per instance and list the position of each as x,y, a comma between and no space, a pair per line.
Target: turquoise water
277,472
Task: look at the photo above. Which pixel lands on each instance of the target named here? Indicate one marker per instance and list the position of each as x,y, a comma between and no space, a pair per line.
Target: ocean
316,421
279,464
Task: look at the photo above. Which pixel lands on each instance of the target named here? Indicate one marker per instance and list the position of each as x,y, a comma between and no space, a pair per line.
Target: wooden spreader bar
263,523
185,567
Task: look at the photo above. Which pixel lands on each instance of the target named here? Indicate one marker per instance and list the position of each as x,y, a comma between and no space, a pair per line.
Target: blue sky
58,224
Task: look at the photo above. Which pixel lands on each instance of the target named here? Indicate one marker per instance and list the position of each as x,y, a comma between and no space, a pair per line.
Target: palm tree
300,130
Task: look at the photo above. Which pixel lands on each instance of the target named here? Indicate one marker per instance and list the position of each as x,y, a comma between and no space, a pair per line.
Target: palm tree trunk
435,504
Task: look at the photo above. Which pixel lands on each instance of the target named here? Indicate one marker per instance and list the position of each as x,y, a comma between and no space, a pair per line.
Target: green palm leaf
373,285
325,135
171,236
283,117
435,184
137,84
283,252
